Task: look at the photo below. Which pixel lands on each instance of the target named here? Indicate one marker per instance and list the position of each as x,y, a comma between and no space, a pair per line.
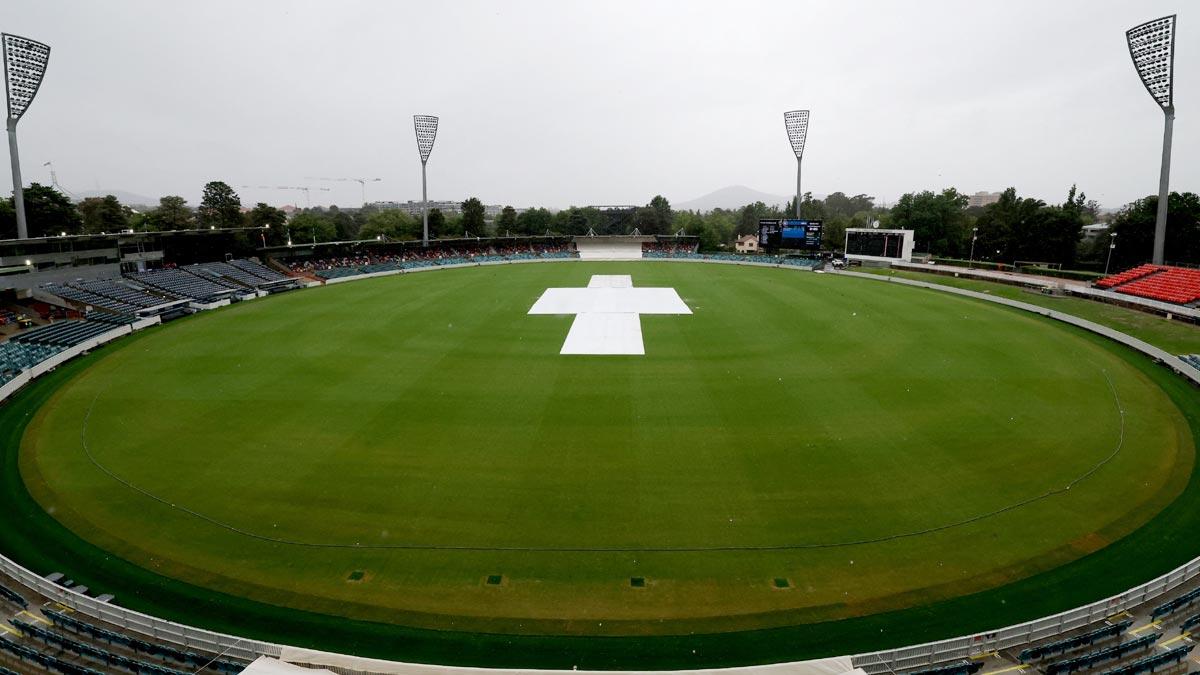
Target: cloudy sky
569,102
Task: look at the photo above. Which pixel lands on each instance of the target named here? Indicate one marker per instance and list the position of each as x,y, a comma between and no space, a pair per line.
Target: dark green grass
935,619
1176,337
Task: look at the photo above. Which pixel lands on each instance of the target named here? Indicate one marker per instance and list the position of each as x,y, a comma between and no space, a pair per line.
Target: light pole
1152,48
796,122
974,236
24,67
426,126
1112,244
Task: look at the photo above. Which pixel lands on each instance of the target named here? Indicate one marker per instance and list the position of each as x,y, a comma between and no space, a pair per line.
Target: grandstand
1175,285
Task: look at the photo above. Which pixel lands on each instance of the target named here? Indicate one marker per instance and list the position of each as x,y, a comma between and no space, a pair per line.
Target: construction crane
305,190
54,181
361,181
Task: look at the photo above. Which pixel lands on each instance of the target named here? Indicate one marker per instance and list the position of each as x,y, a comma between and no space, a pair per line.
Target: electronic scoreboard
790,234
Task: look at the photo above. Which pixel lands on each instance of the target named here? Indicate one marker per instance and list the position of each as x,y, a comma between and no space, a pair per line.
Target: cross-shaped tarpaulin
607,313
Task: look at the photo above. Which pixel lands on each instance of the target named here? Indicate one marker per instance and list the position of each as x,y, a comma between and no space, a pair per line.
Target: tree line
1013,228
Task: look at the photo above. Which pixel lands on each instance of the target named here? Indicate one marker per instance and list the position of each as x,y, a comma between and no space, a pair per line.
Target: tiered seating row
13,597
1170,607
1088,661
46,661
1189,623
123,292
90,651
224,273
259,270
161,651
184,284
1150,663
16,356
1074,642
1127,276
89,298
957,668
64,333
1177,285
732,257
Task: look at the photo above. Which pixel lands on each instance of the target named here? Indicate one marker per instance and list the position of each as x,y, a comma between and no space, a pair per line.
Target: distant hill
732,197
126,198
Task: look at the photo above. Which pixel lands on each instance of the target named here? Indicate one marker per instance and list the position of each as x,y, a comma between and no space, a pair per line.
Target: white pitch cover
607,313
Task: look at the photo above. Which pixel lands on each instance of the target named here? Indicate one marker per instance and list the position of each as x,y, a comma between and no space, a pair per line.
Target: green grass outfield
423,430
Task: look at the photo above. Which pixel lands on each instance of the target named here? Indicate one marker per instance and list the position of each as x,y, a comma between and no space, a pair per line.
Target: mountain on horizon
731,197
126,198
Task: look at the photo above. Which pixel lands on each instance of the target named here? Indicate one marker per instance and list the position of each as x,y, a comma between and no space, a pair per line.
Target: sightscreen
878,244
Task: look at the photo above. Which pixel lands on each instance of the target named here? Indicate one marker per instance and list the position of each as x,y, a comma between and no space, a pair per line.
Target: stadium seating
1189,623
109,659
1074,642
64,334
90,631
259,270
1089,660
1185,600
1126,276
46,661
1176,285
336,268
957,668
186,285
12,596
1151,663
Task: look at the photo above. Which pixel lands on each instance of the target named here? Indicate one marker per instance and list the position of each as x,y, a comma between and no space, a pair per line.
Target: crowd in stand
367,262
671,247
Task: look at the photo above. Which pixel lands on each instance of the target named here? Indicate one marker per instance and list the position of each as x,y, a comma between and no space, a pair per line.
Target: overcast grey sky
558,103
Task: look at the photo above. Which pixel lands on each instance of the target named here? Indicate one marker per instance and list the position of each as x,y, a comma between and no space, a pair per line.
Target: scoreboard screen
790,233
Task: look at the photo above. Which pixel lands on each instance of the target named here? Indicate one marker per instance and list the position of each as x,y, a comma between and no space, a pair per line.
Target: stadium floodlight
24,67
796,122
426,126
1152,48
1112,245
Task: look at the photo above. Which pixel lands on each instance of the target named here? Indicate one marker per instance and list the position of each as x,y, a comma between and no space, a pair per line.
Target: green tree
220,207
750,214
507,222
437,224
938,220
534,221
274,221
1134,230
312,226
391,224
664,217
48,213
103,214
8,219
172,213
472,217
343,223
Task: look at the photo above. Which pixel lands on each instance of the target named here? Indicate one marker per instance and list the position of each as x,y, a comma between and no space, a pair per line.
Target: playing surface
414,450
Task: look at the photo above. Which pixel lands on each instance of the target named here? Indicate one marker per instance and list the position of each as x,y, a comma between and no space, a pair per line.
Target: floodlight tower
24,67
426,126
1152,48
796,122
